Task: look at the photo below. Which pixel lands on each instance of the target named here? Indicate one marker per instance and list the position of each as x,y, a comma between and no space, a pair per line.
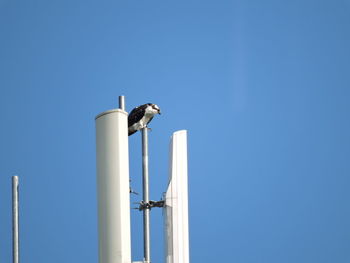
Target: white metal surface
112,152
176,202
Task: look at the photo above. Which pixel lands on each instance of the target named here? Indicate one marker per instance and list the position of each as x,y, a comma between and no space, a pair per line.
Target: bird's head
154,108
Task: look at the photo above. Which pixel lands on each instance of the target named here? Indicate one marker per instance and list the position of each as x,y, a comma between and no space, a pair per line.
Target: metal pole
146,210
15,246
122,102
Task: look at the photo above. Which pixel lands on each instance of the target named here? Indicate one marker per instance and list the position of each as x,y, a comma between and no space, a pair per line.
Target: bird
140,116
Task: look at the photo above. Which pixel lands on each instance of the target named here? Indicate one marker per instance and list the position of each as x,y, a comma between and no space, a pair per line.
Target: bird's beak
159,112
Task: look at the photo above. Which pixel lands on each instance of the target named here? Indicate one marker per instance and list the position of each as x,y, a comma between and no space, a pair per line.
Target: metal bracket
150,204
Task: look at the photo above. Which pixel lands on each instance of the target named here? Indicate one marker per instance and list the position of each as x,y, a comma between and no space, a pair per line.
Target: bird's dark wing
131,132
136,114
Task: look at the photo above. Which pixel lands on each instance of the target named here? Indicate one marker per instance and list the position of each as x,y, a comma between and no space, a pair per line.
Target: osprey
141,116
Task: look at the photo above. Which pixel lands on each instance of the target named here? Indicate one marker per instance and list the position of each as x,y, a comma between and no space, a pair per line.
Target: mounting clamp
150,204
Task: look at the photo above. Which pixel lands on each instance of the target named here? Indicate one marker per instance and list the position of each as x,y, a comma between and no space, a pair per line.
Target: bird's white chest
144,121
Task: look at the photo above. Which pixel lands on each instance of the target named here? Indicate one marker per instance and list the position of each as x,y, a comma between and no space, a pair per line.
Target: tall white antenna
112,152
176,202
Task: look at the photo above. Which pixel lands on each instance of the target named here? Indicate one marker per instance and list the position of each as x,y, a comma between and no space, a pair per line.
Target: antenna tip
122,102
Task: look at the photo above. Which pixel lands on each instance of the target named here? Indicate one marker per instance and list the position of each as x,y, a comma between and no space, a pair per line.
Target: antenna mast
15,235
146,208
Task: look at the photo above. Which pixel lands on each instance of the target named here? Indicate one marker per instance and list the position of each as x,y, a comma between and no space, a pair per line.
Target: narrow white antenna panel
176,202
112,152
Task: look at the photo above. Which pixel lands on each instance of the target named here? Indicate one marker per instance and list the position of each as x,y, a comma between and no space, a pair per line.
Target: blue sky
261,86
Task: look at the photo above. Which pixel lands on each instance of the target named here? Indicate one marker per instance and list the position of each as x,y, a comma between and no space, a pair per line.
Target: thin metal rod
15,239
122,102
145,184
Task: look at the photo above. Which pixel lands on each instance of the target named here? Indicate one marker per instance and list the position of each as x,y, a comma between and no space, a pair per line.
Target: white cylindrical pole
112,152
15,228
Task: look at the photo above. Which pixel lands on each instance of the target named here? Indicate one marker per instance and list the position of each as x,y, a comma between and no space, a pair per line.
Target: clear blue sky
261,86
